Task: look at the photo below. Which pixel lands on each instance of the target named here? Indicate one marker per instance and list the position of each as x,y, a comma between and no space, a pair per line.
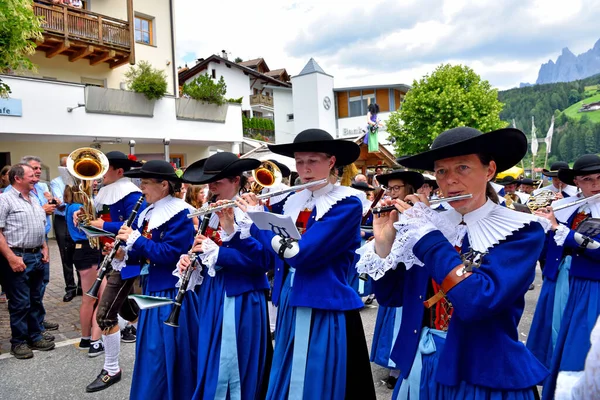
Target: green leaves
203,88
451,96
145,79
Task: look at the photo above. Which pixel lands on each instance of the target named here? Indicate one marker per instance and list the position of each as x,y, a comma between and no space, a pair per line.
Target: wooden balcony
81,34
261,100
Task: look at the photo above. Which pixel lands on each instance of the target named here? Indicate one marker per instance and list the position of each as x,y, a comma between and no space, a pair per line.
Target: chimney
224,54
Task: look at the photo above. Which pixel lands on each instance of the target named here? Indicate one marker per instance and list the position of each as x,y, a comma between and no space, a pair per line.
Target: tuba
265,176
86,165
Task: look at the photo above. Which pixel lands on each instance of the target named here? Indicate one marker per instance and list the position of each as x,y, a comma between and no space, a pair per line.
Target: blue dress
165,363
234,338
580,314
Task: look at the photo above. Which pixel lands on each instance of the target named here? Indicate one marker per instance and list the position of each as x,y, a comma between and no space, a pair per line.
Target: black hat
507,180
411,178
362,186
120,160
218,166
285,171
554,167
319,141
526,181
585,165
431,182
506,147
155,169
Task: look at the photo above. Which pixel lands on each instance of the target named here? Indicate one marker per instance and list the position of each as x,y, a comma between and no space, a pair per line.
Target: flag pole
522,163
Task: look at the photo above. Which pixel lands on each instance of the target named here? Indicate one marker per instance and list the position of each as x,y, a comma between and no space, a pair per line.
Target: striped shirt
22,221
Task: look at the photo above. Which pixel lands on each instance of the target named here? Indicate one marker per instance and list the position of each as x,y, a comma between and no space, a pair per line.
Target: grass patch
594,116
591,90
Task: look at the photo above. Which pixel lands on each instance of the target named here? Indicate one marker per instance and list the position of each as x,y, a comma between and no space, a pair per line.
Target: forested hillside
572,136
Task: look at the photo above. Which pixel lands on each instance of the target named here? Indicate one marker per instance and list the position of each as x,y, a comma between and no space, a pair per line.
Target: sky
373,42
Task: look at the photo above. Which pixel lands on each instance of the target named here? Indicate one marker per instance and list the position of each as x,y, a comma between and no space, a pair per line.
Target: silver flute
206,210
385,209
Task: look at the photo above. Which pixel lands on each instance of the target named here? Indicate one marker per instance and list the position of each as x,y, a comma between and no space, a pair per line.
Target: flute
385,209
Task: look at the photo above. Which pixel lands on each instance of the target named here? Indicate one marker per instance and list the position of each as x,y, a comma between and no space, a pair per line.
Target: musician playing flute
114,202
320,347
234,342
579,255
165,363
478,257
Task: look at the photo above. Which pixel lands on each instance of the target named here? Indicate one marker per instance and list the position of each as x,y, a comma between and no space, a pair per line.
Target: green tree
203,88
451,96
18,24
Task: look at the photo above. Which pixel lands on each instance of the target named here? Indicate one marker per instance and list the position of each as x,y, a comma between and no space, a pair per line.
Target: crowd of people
268,314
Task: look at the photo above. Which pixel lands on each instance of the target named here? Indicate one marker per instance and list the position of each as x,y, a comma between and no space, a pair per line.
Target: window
358,104
214,74
93,82
290,117
143,30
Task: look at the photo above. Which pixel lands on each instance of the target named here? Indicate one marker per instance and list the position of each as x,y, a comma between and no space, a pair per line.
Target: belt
31,250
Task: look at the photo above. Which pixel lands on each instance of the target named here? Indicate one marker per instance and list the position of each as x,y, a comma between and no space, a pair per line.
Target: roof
311,67
254,63
280,74
201,65
402,87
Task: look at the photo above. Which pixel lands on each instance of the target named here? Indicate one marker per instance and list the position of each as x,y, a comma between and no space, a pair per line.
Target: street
64,372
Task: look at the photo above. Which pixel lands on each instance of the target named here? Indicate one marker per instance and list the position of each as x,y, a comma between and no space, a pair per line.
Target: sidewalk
66,314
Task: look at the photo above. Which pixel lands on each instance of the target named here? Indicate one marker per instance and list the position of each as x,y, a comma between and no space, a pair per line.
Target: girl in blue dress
464,275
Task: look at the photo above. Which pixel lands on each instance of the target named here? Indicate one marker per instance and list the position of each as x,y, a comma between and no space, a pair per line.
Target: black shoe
369,300
70,295
103,381
79,291
42,345
50,326
531,287
391,382
96,349
21,351
128,334
84,344
48,336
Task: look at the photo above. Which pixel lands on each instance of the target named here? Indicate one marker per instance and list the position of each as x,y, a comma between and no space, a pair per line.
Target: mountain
569,67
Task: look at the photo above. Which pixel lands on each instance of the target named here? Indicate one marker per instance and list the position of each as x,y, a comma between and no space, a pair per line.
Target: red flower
132,157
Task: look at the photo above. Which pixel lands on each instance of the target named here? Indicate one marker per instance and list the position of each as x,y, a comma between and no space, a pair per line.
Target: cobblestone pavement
64,372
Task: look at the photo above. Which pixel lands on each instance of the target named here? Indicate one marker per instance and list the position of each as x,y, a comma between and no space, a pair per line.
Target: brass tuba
266,175
86,165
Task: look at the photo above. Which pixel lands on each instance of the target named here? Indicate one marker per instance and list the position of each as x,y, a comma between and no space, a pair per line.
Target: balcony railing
74,31
261,100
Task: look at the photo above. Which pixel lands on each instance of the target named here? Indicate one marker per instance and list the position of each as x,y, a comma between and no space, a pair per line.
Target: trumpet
208,210
385,209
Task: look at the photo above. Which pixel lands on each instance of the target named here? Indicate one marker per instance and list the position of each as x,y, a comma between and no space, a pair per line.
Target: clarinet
173,319
105,266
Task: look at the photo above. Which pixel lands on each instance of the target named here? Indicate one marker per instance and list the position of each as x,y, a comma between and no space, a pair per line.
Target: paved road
64,372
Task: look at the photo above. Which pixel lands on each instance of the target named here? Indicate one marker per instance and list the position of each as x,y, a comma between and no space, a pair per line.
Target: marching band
450,276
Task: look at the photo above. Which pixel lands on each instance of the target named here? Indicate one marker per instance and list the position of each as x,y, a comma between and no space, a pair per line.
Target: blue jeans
24,292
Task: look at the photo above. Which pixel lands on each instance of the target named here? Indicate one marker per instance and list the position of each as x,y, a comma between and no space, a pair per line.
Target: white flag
534,142
548,139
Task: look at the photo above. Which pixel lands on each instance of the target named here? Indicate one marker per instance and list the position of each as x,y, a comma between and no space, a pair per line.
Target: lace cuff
118,265
131,240
225,237
560,235
370,263
195,279
209,256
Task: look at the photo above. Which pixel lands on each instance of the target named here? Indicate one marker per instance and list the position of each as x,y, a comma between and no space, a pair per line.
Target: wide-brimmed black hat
411,178
362,186
506,147
285,171
218,166
155,169
319,141
584,165
507,180
431,182
526,181
554,167
120,160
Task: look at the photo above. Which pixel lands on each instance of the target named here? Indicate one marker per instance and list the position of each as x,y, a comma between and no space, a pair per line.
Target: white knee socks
112,347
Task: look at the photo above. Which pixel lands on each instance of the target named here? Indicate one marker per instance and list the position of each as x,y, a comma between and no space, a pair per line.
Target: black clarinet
173,319
105,266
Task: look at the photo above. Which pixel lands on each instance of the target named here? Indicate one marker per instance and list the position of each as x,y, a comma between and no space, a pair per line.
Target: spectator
195,195
361,178
4,178
378,171
63,239
77,4
24,250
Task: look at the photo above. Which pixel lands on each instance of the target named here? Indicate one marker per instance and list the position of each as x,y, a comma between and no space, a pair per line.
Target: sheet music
281,225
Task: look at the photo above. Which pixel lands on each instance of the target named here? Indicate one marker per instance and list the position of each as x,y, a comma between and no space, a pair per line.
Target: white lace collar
162,211
489,224
110,194
276,199
564,214
323,199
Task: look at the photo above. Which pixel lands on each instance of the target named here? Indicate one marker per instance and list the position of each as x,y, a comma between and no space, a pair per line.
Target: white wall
308,94
284,104
238,84
45,112
326,117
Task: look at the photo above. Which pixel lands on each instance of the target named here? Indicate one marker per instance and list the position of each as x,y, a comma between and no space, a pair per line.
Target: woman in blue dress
583,304
165,362
234,342
464,275
320,347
